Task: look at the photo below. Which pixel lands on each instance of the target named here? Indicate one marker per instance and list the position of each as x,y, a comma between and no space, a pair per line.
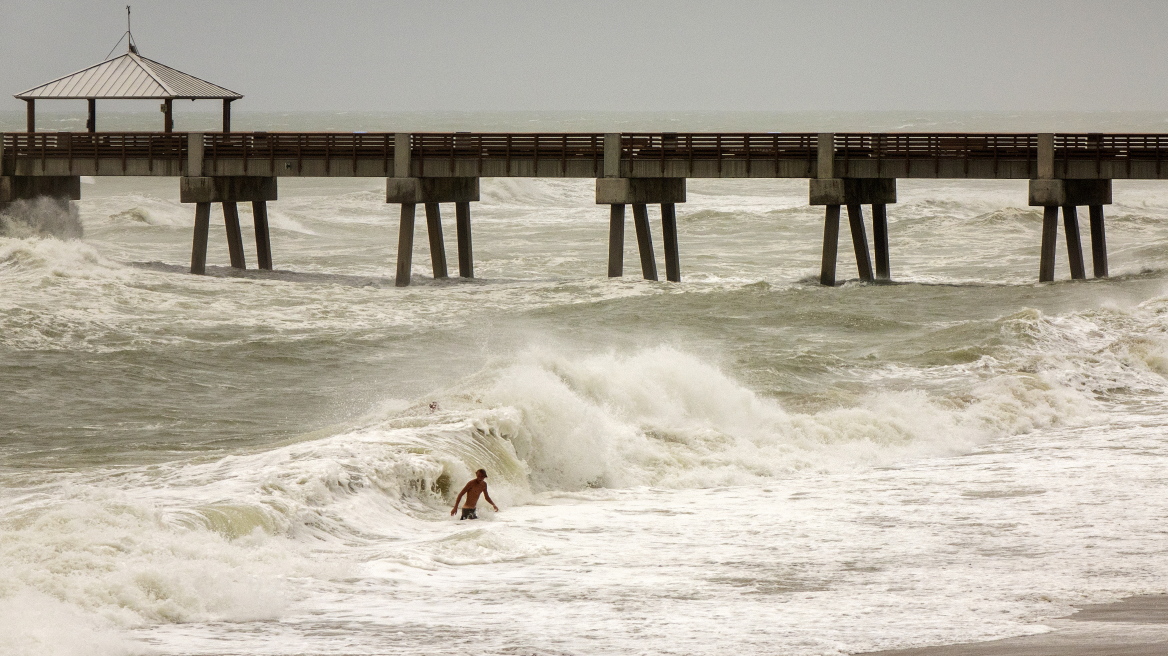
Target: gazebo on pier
129,77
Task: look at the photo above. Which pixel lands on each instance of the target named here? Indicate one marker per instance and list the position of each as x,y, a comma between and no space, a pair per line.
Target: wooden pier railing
664,154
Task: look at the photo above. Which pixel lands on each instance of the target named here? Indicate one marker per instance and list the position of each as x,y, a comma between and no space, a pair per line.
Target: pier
638,169
844,171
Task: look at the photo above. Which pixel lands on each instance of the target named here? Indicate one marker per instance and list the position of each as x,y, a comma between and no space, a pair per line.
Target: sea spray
40,217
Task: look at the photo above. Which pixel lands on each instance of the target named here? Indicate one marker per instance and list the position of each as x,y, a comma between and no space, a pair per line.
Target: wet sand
1136,626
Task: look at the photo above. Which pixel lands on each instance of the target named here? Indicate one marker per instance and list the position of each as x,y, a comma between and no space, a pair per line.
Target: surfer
472,490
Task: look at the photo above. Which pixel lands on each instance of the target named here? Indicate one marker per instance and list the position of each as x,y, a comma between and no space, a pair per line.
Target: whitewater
743,463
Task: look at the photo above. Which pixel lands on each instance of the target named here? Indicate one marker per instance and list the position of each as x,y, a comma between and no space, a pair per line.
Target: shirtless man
472,490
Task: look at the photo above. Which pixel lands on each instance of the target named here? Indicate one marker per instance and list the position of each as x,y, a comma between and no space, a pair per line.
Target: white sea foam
862,473
41,217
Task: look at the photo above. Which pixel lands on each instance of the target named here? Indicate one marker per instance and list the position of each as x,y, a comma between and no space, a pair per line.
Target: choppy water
745,463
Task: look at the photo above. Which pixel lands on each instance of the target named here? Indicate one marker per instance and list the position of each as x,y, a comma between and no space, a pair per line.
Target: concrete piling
880,240
1049,237
854,193
830,245
639,192
405,245
1098,242
199,247
259,211
669,236
860,241
1074,242
437,245
430,192
616,240
234,236
645,241
465,249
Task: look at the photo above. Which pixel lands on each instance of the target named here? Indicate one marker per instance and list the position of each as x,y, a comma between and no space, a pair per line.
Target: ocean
744,463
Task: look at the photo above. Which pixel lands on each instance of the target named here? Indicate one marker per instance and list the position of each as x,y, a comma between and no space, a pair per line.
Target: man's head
481,474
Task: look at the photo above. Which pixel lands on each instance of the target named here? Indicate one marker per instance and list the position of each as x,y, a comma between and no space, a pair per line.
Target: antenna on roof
128,33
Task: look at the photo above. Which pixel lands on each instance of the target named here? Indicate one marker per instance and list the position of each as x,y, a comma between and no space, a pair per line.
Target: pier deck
849,170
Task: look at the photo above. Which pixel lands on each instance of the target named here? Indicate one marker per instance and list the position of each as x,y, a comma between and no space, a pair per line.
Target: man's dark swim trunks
468,513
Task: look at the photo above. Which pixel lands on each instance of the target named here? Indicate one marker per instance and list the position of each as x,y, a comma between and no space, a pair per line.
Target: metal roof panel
129,76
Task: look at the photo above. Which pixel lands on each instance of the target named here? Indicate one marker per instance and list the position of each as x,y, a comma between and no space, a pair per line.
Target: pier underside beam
616,240
1098,242
28,187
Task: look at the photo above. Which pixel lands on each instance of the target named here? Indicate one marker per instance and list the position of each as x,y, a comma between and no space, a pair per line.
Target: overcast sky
619,55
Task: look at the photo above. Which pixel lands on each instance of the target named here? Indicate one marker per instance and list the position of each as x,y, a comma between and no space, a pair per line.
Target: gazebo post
31,114
168,110
92,122
227,114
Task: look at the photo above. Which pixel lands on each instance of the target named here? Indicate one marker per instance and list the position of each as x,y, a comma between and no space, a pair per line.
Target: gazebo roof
130,76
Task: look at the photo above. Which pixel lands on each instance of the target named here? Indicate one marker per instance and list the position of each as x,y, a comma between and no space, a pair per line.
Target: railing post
825,156
195,154
612,155
1046,156
401,155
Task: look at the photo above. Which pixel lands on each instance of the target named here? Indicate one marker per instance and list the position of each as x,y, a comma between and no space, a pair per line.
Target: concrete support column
430,192
639,192
830,245
405,245
616,240
669,235
860,241
234,236
1074,242
30,114
199,247
437,245
1098,242
465,249
1049,238
854,193
259,211
880,240
1051,194
645,241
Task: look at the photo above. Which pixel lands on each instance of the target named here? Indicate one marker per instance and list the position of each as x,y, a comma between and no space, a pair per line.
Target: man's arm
459,499
487,496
